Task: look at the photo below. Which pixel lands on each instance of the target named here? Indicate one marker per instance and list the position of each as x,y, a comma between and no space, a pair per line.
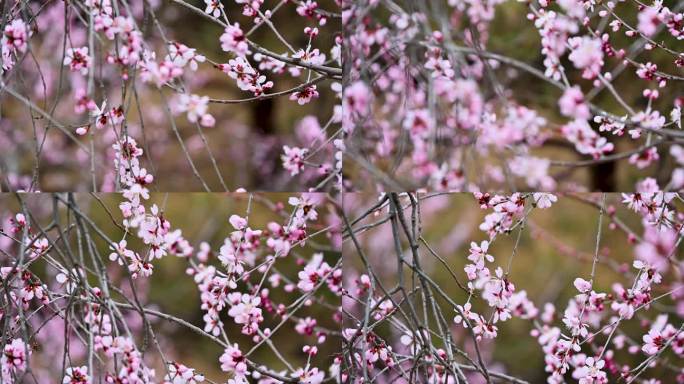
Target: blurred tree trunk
262,116
267,146
603,177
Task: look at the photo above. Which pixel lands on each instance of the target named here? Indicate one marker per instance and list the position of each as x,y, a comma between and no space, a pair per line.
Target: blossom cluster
264,280
609,329
126,70
501,95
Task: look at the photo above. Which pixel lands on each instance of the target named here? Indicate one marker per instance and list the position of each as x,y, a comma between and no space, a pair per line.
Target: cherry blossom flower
357,98
306,206
234,40
77,59
582,285
181,55
544,200
37,247
15,356
645,158
214,7
482,328
247,78
293,159
306,326
586,140
572,104
314,272
16,35
180,374
467,314
14,40
248,313
591,372
158,73
586,55
305,95
676,116
308,56
478,254
653,342
233,361
309,375
250,7
196,108
238,222
649,19
77,375
100,115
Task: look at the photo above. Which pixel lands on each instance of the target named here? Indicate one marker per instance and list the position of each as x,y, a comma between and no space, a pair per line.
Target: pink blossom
645,158
16,35
305,95
591,372
478,253
77,59
309,375
196,108
234,40
233,361
544,200
214,7
649,19
247,78
653,342
15,356
14,39
293,159
582,285
586,55
357,98
238,222
248,313
586,140
77,375
180,374
572,104
182,55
